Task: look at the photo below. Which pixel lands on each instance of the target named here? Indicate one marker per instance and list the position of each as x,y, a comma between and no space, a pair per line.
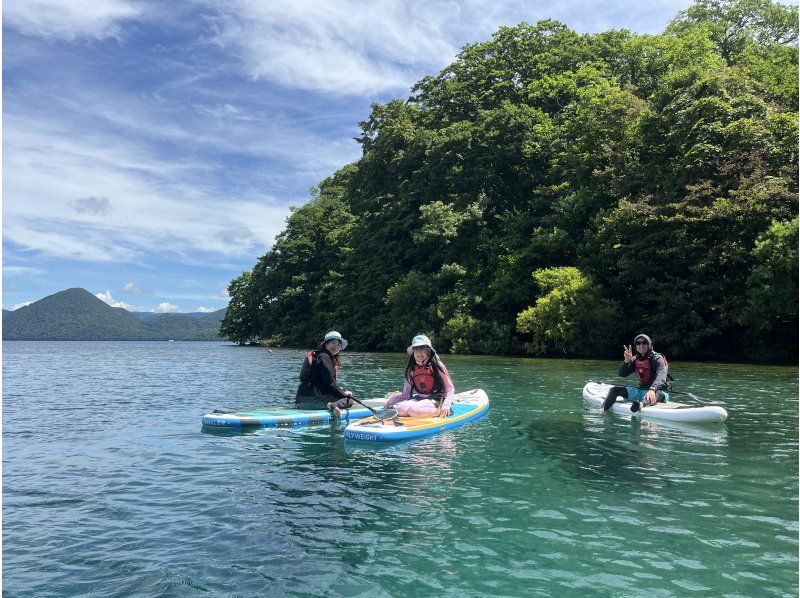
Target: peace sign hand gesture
627,354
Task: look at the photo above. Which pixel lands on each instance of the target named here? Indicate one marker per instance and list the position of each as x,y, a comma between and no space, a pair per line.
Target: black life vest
424,378
308,372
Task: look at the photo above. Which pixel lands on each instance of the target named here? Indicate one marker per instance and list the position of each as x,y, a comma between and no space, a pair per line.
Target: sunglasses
642,343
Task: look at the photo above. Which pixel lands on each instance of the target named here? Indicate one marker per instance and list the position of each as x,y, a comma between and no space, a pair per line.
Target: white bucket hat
334,336
420,341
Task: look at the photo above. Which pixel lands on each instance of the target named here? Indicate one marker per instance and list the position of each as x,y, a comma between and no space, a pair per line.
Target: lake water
112,488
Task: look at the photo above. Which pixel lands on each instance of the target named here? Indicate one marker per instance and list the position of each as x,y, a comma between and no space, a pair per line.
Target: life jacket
424,378
310,365
645,368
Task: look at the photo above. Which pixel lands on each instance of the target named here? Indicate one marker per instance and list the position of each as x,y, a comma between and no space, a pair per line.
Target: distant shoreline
719,361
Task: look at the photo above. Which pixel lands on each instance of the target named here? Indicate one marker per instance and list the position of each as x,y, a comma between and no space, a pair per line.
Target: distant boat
172,340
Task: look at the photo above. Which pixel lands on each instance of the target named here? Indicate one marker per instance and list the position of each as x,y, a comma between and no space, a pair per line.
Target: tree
571,316
240,324
624,169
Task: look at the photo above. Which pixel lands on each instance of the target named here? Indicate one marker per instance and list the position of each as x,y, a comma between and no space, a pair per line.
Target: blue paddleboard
467,406
284,416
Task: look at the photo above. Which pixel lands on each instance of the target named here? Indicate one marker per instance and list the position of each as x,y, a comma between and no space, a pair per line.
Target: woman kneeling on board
318,386
428,389
651,370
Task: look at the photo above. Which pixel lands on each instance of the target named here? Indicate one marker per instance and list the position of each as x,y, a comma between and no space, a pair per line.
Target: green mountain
76,314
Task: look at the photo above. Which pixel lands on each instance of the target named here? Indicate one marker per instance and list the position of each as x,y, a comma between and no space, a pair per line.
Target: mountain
76,314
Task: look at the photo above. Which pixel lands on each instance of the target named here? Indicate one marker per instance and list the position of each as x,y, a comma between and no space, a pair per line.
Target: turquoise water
111,487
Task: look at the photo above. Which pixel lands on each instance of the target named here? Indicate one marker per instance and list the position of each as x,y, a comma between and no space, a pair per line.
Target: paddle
693,397
382,415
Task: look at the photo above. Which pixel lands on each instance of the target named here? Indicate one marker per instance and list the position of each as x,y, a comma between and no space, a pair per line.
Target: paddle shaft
365,405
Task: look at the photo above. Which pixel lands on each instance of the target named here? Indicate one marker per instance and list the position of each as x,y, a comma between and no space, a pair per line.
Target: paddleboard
467,406
596,393
284,416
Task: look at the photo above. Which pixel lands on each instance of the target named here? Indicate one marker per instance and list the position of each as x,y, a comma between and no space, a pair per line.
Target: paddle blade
386,414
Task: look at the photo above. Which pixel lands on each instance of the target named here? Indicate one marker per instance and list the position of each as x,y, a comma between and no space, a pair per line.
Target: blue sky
151,150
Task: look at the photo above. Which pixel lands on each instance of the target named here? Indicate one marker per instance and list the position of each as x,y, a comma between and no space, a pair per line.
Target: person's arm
627,367
660,380
397,397
449,390
327,374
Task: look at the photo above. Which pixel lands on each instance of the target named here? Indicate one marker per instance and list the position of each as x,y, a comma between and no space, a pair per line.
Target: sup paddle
382,415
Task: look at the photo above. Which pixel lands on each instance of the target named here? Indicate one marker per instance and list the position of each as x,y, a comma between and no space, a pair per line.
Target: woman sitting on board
428,390
318,387
651,370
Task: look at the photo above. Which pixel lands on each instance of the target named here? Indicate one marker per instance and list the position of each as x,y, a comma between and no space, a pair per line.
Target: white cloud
348,48
23,304
64,239
158,208
207,310
366,48
166,308
130,287
69,19
106,297
22,270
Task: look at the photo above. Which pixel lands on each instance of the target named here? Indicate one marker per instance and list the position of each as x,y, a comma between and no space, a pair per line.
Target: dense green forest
552,193
77,315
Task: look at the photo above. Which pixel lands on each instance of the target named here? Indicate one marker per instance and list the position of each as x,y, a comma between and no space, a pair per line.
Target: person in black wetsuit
319,388
651,370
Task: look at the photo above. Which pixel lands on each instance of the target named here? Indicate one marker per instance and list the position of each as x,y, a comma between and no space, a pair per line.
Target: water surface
111,487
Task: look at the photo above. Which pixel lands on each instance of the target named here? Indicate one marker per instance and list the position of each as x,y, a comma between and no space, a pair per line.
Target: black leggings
622,392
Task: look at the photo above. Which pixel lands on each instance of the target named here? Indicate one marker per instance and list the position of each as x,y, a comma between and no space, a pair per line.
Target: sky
152,150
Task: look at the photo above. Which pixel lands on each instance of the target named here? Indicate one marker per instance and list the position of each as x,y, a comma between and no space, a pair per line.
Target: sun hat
420,341
334,336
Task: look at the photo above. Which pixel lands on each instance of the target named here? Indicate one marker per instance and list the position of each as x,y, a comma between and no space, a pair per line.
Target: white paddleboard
596,393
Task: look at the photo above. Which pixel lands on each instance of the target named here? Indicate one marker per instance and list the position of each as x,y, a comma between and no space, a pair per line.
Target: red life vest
423,378
645,369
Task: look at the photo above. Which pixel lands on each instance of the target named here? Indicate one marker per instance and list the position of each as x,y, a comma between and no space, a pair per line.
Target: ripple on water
119,492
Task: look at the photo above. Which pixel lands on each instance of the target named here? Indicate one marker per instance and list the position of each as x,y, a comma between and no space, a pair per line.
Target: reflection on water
684,432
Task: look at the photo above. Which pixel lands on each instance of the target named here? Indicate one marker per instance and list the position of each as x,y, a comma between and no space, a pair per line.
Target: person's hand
443,412
650,397
627,353
348,394
391,398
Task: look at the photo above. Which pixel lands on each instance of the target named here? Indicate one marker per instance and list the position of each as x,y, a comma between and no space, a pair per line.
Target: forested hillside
77,315
553,193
